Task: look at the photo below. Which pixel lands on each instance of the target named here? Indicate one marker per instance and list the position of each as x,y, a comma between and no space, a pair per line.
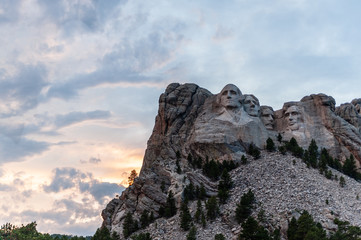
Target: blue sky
80,82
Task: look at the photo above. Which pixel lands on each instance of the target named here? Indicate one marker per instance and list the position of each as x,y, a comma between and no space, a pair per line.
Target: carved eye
224,93
233,92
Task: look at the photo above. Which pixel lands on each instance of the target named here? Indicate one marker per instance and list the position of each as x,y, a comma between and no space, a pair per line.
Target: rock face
193,121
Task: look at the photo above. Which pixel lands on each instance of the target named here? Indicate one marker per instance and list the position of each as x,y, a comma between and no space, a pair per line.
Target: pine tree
279,138
190,159
151,217
219,236
254,151
270,145
292,228
244,208
162,186
342,181
142,236
313,153
199,211
202,192
212,208
170,209
188,192
179,170
144,219
192,235
243,160
225,184
186,218
128,225
253,231
203,219
293,147
132,176
349,167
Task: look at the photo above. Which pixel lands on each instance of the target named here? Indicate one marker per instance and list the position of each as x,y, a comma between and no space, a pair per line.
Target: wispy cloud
71,118
92,160
20,91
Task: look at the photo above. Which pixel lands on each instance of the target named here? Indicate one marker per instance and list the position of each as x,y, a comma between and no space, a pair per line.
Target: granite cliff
192,121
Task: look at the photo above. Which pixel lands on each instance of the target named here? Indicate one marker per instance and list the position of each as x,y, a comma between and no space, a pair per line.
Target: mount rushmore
192,120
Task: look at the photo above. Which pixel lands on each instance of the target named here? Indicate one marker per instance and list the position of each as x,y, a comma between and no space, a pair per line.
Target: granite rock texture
193,121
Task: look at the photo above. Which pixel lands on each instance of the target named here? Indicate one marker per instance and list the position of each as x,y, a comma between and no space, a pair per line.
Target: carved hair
218,100
252,96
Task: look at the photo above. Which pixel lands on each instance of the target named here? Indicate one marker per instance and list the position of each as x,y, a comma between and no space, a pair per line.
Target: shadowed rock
191,121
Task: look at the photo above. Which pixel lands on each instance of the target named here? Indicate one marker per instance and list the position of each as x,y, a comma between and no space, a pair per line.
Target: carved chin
253,113
293,127
269,126
231,105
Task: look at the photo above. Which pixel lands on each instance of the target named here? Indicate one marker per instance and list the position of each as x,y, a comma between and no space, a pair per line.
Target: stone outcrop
193,121
316,118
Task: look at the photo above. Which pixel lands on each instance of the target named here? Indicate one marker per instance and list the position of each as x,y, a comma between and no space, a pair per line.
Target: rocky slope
282,188
191,120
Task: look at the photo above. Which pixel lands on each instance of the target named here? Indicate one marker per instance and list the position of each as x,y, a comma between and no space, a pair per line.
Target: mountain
196,131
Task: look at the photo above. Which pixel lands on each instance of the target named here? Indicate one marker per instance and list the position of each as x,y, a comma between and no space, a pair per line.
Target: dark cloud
77,117
101,190
65,178
15,144
15,149
21,92
71,178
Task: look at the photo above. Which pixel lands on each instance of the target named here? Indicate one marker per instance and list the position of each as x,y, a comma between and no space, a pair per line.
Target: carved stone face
251,105
230,97
293,117
267,117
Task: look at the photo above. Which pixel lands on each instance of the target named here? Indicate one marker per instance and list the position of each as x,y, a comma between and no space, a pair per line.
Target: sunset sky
80,82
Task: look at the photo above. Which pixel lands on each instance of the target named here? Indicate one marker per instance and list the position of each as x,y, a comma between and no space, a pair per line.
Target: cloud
140,55
16,142
5,188
100,190
20,91
71,178
94,160
77,117
66,217
74,17
65,178
14,148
